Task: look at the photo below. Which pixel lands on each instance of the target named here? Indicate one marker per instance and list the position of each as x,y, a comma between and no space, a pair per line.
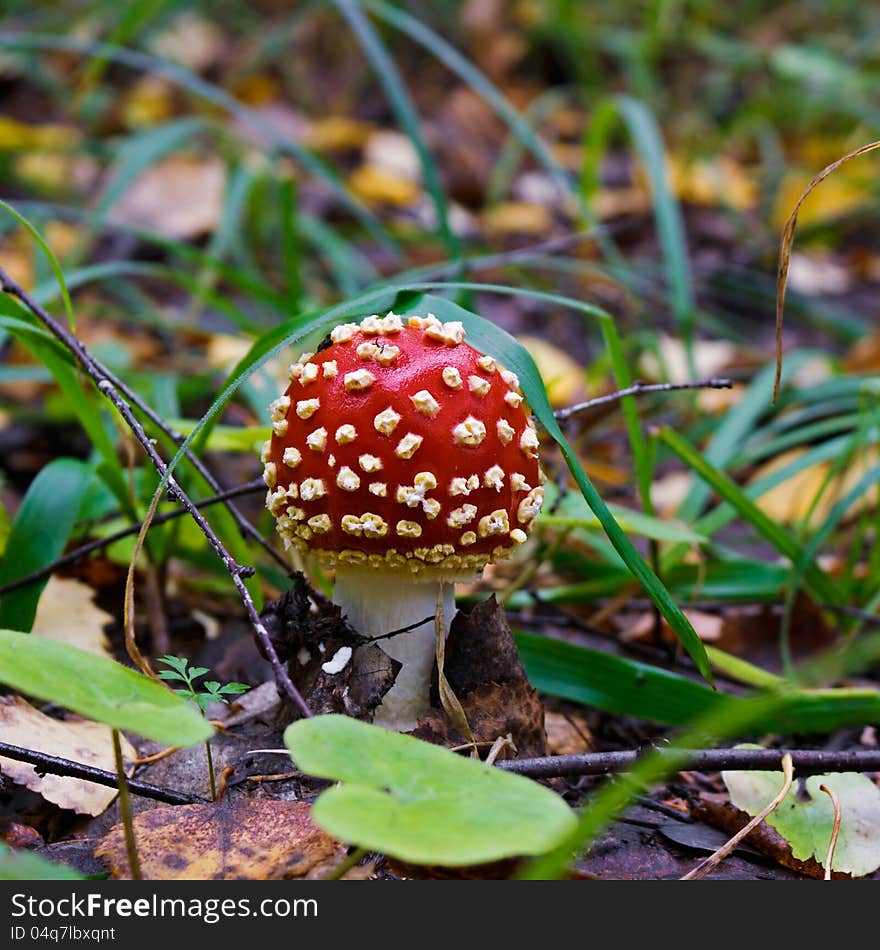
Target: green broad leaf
488,338
38,535
99,689
419,802
17,865
626,687
807,824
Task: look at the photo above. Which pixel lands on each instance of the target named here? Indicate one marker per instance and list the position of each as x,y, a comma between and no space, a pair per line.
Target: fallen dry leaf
710,357
338,133
764,838
516,218
21,135
493,710
377,187
78,739
845,191
67,613
790,501
149,102
190,40
713,182
563,376
567,734
255,840
180,197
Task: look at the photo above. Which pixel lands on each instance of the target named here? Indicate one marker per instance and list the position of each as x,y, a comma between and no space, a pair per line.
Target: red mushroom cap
400,445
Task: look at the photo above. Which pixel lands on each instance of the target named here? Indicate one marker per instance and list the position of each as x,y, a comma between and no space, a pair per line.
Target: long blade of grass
820,584
53,261
478,81
626,687
404,110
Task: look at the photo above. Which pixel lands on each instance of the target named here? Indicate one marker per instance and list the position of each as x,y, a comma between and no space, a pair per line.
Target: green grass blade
53,261
819,583
628,688
38,535
466,71
642,456
403,108
646,135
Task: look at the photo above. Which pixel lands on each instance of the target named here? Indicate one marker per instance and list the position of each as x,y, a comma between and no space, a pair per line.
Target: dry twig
705,867
122,399
835,828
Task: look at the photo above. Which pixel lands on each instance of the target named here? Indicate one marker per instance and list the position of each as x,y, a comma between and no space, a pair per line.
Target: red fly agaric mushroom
406,460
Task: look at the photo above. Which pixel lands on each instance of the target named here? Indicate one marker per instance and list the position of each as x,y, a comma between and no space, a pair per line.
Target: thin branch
806,762
863,616
114,391
77,554
637,389
55,765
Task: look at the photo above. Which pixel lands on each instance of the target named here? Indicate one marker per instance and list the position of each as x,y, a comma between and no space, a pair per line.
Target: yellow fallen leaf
22,135
614,202
337,133
224,350
250,840
517,218
149,102
257,90
790,501
67,613
669,491
80,740
713,182
567,734
849,188
376,187
563,376
180,197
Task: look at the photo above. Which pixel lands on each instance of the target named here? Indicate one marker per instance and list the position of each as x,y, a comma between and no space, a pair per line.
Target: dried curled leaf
255,840
77,739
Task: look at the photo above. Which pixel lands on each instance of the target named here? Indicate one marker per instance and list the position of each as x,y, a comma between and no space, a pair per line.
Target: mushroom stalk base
376,603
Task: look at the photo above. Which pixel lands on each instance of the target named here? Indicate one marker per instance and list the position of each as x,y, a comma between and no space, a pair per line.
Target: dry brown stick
77,554
806,761
638,389
246,529
55,765
114,392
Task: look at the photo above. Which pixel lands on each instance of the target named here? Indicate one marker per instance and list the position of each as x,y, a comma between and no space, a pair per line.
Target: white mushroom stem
377,602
